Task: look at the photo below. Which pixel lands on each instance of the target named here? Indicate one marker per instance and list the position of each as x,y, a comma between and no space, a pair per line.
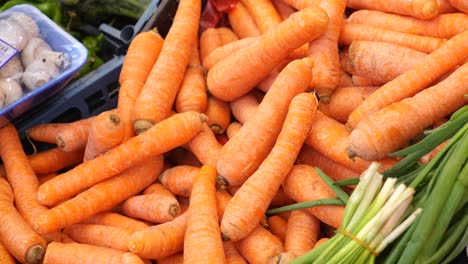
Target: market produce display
259,132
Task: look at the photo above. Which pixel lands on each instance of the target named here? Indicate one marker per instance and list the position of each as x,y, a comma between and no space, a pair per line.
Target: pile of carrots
214,127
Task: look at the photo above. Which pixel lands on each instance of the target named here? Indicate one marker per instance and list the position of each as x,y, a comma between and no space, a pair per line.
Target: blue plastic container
59,40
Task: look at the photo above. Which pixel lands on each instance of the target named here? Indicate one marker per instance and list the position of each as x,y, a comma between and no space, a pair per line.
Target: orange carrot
99,198
351,32
5,256
265,84
232,129
45,177
390,128
202,242
460,5
283,8
321,241
239,219
177,258
58,237
232,254
117,220
260,246
227,35
15,234
154,141
244,107
74,135
71,253
192,95
181,156
345,79
423,9
264,14
209,41
304,184
303,231
222,199
46,132
262,129
441,26
280,199
106,132
227,81
205,146
277,226
344,100
99,235
364,81
242,22
54,159
179,179
161,240
155,100
409,83
219,115
224,51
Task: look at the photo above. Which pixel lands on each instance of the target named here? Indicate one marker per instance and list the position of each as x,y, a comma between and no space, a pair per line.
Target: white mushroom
14,34
13,69
38,73
12,90
27,22
37,49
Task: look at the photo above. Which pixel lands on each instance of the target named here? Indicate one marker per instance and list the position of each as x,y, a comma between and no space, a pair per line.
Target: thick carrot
364,81
157,140
260,246
54,159
20,174
74,253
5,256
232,254
158,94
15,234
419,77
224,51
219,115
202,242
441,26
227,35
106,131
177,258
390,128
158,207
161,240
192,95
245,211
262,129
264,14
277,226
179,179
209,41
304,184
205,146
45,132
117,220
99,235
73,136
244,107
283,8
380,62
232,129
344,100
351,32
460,5
242,22
303,231
423,9
101,197
227,81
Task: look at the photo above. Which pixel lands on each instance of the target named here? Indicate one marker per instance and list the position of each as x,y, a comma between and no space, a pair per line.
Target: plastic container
59,40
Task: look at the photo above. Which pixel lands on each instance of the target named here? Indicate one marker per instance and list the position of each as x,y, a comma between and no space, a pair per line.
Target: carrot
106,132
209,41
321,241
283,8
15,234
419,77
336,171
227,35
45,177
158,207
155,100
303,231
181,156
460,5
219,115
224,51
262,129
351,32
441,26
45,132
205,146
244,107
265,84
73,136
242,22
232,129
280,199
345,79
71,253
54,159
390,128
153,142
58,237
192,95
277,226
423,9
429,156
5,256
344,100
304,184
117,220
179,179
161,240
264,14
177,258
361,81
260,246
227,81
99,198
202,242
445,7
232,254
240,219
99,235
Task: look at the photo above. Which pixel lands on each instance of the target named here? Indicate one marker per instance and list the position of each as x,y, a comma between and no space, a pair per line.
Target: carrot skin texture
423,9
232,254
209,40
260,246
219,115
54,159
44,132
74,135
205,146
155,207
117,220
244,107
179,179
99,235
264,14
460,5
277,226
303,231
5,256
224,51
227,81
242,22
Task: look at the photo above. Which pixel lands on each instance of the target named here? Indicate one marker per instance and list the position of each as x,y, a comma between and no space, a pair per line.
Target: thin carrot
192,95
161,240
117,220
244,212
232,254
74,135
303,231
264,14
344,100
262,129
219,115
260,246
224,51
242,22
277,226
244,107
99,198
441,26
227,81
222,199
304,184
5,256
390,128
209,41
99,235
202,242
15,234
351,32
71,253
155,100
423,9
177,258
205,146
460,5
54,159
233,129
106,132
179,179
321,241
227,35
409,83
45,132
157,140
283,8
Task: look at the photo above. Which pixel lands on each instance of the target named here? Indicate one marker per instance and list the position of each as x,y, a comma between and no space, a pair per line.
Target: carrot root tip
141,126
203,118
174,210
430,9
35,254
324,98
351,154
134,246
225,237
60,142
221,183
115,119
217,129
